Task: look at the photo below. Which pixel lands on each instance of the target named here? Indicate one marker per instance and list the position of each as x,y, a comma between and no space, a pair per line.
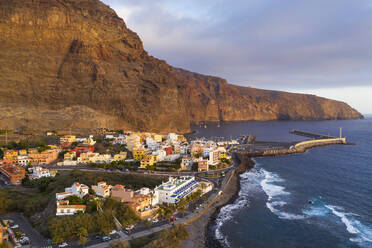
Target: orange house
13,173
45,158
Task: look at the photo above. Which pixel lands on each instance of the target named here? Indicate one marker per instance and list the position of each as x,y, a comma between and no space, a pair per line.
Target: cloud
261,43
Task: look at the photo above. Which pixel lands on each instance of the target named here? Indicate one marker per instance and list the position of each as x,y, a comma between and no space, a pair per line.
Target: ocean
322,198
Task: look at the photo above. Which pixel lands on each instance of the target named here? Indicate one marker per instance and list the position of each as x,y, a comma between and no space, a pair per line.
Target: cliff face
74,63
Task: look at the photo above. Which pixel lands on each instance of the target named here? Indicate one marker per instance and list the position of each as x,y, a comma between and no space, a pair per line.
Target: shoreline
201,231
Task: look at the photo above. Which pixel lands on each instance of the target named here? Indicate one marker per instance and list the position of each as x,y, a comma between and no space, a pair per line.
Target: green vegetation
5,245
125,215
75,227
166,165
170,238
117,165
4,131
29,204
25,144
13,201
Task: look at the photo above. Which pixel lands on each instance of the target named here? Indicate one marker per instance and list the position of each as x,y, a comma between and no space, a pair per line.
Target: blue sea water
273,208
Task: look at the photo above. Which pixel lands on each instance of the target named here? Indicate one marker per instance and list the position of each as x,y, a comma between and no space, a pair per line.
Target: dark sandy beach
200,231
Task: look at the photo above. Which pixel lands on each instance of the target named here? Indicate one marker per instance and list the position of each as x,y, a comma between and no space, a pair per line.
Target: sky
321,47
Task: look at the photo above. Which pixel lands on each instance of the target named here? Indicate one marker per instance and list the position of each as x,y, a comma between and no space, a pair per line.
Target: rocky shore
201,231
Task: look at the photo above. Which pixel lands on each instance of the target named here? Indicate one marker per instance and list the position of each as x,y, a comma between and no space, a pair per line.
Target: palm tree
82,233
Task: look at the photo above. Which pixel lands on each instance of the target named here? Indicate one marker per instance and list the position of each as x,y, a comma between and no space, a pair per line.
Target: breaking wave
275,194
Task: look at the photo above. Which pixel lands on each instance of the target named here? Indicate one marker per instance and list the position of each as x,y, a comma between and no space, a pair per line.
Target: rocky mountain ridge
75,64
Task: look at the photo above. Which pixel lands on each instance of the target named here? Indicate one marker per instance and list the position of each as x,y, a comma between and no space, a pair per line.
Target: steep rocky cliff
75,64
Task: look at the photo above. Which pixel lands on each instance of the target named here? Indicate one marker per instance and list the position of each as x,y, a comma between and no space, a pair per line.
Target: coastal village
184,164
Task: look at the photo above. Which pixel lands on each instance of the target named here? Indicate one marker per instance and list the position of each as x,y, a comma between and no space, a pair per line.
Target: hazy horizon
317,47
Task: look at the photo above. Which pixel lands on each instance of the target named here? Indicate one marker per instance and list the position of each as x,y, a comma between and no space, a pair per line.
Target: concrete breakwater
300,147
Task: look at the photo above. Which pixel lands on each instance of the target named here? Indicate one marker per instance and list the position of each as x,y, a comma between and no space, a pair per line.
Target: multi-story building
186,163
83,148
23,160
67,139
176,189
152,144
102,189
45,158
138,154
91,157
119,157
71,155
77,189
10,154
214,157
14,174
22,152
158,138
120,193
203,165
148,160
172,137
4,237
133,141
168,150
161,154
39,172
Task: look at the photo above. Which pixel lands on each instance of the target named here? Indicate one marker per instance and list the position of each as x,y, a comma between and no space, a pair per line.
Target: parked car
155,220
105,238
64,244
98,237
14,226
113,232
24,241
174,219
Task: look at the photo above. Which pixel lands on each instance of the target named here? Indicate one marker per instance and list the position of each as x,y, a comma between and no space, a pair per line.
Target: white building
161,153
172,157
67,163
208,186
121,140
214,157
172,137
152,144
23,160
206,151
64,209
133,140
39,172
184,149
102,189
176,189
92,157
186,163
77,189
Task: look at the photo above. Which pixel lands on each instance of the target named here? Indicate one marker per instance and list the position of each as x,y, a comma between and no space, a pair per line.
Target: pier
311,135
258,149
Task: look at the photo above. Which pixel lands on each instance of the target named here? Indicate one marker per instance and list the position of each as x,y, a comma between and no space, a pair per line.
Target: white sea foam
363,233
317,211
249,185
275,194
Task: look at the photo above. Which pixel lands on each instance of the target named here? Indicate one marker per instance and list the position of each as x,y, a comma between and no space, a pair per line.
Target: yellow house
120,156
67,139
147,161
158,138
22,152
138,153
70,155
10,154
223,155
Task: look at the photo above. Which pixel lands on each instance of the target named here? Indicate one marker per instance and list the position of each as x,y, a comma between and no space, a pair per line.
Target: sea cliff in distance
75,64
